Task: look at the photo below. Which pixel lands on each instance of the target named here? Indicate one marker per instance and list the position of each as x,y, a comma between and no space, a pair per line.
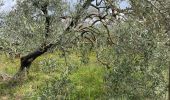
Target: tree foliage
132,43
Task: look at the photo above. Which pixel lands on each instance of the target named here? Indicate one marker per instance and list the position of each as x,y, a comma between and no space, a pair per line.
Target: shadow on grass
9,87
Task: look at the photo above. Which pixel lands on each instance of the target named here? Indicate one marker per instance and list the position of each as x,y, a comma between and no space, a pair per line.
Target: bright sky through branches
8,4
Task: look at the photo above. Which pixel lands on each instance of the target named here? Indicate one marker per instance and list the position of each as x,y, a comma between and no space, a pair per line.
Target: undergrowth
51,78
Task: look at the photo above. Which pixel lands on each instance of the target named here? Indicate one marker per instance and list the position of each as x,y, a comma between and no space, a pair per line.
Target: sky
124,5
8,4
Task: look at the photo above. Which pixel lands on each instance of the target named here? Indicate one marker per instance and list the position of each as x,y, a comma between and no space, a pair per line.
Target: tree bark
27,60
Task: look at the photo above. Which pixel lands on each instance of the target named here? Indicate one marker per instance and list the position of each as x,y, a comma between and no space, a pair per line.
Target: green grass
87,79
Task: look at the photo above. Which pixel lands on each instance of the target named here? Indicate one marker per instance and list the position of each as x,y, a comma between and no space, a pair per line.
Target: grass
87,78
88,81
47,81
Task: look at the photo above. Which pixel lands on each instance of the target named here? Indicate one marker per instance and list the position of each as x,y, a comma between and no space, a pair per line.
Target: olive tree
132,43
139,64
36,25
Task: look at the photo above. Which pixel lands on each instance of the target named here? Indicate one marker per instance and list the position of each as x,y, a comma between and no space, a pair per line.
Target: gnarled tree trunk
27,60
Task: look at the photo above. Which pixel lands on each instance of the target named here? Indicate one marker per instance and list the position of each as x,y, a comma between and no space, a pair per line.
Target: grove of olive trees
131,44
